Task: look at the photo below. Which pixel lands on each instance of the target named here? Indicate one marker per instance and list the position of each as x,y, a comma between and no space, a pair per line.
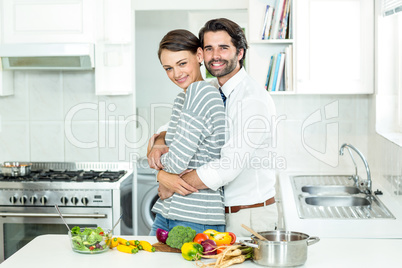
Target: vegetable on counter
221,238
127,249
209,247
191,251
147,246
233,254
180,235
161,235
200,237
88,240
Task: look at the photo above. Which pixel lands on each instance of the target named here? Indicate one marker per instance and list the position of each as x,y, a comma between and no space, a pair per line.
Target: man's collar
228,87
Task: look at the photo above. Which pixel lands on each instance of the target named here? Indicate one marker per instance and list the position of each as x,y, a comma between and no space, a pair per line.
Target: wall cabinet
335,46
69,21
108,24
332,44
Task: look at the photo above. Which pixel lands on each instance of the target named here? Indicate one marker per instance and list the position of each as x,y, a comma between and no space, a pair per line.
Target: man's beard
230,66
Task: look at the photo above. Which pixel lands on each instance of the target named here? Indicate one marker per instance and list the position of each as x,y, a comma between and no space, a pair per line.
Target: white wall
34,125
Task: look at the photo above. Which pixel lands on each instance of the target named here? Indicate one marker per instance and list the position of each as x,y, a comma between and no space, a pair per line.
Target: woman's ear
200,55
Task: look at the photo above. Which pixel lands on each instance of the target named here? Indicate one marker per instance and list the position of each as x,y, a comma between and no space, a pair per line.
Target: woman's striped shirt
195,136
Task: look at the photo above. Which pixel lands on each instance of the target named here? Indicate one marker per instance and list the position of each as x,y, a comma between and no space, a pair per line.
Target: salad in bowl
89,240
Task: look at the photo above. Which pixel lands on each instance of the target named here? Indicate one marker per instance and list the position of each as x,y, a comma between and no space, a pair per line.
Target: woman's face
182,67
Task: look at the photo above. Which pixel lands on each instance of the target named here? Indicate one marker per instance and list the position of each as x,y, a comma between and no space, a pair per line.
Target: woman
194,137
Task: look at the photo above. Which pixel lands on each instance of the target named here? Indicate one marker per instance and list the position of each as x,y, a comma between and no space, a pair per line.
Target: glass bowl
89,241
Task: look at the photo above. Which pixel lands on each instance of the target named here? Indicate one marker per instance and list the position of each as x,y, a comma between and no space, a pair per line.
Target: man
249,185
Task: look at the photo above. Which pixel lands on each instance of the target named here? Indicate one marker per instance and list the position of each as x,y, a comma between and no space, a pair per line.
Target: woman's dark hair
232,28
179,40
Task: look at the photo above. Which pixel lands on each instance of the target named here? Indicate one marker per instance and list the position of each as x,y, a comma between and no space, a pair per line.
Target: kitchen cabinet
67,21
332,44
107,24
335,46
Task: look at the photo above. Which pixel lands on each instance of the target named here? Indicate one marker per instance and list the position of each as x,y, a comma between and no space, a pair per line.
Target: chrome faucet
367,189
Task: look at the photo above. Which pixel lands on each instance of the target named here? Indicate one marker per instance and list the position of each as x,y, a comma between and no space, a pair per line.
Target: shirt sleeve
248,129
192,128
163,128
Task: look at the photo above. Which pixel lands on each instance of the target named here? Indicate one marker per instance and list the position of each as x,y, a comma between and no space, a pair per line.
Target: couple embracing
210,156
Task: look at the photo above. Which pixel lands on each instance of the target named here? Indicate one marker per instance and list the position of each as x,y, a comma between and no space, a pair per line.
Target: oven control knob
33,200
23,199
43,200
64,200
84,200
13,199
74,200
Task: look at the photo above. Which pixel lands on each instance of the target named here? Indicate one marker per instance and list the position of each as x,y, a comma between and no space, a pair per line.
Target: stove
89,194
67,175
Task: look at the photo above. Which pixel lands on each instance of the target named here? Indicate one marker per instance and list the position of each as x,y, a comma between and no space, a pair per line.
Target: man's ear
200,55
241,54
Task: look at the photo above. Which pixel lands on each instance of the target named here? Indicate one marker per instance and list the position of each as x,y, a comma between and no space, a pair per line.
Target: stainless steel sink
335,197
337,201
330,189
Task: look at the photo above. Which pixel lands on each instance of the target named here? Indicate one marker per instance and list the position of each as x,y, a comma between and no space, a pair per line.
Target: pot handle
312,240
248,243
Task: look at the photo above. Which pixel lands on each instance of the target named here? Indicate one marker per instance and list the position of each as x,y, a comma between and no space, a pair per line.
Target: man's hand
156,148
174,184
191,177
164,192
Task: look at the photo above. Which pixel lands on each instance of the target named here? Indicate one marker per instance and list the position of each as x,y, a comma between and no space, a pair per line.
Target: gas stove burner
101,176
68,176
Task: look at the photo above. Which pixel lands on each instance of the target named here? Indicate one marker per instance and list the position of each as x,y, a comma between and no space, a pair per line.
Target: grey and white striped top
195,136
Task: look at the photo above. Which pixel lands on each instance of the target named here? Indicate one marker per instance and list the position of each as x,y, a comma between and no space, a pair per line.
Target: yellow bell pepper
191,251
219,238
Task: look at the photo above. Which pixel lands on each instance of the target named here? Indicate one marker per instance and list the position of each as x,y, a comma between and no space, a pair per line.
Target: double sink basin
335,197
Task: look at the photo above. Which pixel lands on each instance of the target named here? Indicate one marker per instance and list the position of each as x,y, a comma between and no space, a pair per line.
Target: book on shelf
271,76
275,77
289,68
280,71
290,23
264,22
284,20
282,17
276,19
269,72
268,24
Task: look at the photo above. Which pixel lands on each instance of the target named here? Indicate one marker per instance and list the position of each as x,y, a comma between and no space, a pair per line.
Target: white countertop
336,228
49,251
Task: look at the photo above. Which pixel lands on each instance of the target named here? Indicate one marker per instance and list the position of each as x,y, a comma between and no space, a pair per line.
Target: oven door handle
52,215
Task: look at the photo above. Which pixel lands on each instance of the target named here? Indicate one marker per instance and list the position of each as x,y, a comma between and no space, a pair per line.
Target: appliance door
18,226
147,198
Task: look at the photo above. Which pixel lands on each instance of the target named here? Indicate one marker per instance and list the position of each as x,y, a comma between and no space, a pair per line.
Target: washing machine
147,195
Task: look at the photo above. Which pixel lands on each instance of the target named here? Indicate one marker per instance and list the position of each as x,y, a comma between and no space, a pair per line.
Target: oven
87,194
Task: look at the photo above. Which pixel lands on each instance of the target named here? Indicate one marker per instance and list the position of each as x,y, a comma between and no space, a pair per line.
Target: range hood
47,56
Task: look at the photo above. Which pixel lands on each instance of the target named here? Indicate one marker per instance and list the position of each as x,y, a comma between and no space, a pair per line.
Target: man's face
220,56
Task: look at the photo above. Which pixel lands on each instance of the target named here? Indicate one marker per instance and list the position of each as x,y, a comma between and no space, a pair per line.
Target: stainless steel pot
282,248
15,169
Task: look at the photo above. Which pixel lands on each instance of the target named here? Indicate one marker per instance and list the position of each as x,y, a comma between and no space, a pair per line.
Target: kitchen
67,116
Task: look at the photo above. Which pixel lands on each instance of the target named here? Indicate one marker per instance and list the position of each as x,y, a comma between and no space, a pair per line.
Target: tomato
221,248
200,237
233,236
91,248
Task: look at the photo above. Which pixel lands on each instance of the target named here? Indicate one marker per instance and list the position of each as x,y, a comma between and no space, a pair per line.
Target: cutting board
161,247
